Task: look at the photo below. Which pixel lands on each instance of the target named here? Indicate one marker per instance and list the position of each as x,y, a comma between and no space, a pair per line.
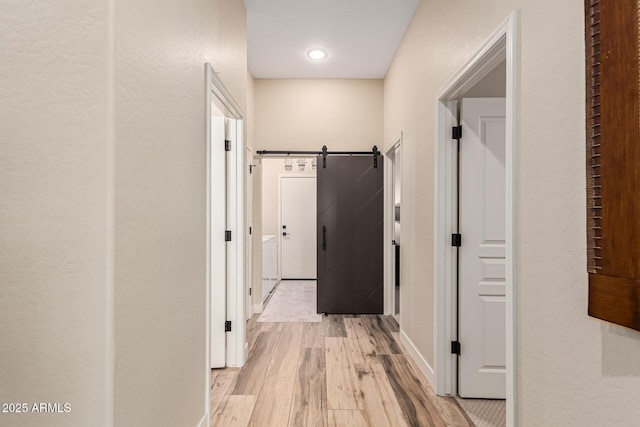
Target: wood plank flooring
344,371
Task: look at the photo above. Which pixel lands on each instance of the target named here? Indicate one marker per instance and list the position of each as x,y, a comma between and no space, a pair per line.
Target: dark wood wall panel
613,159
606,292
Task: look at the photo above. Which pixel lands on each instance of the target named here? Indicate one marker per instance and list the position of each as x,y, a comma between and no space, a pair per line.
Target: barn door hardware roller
324,156
376,153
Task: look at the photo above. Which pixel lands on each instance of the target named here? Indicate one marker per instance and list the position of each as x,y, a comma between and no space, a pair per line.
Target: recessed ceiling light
317,54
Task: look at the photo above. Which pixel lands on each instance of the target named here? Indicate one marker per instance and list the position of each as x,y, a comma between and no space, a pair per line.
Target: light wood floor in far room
345,371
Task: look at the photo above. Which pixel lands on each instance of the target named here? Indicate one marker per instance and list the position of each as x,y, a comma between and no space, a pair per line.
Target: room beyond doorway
288,221
500,48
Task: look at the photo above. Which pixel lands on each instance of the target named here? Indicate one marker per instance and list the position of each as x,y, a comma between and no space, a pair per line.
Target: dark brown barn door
350,235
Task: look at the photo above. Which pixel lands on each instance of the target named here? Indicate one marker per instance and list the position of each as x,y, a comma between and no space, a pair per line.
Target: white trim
422,363
393,144
217,92
511,200
503,44
444,272
207,360
204,421
389,280
257,308
248,196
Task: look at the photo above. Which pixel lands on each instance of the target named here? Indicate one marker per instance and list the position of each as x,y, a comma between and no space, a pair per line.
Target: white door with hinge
249,236
298,226
218,252
481,298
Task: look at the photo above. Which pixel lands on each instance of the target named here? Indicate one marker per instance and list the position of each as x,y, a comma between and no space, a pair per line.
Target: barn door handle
324,237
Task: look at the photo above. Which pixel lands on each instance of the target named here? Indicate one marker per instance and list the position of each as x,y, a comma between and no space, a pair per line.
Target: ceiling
360,37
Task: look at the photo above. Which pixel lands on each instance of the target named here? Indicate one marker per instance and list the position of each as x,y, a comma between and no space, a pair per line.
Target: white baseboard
257,308
204,422
423,365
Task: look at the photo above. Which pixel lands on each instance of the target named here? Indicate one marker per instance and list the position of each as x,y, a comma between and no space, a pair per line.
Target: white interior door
218,253
481,310
298,226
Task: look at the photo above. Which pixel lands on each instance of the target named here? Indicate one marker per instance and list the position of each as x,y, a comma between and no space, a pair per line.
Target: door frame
249,241
501,45
280,176
237,347
389,266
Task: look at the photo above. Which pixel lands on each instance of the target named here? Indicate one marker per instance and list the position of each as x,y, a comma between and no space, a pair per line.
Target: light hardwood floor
345,371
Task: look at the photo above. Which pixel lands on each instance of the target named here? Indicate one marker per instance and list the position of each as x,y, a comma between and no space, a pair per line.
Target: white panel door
481,310
218,186
298,226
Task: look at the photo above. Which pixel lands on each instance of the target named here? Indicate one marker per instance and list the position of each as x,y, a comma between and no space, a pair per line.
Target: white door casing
297,226
481,314
224,183
389,225
248,275
218,252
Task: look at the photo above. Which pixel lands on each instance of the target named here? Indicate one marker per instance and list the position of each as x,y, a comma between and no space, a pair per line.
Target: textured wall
306,114
53,216
572,370
160,221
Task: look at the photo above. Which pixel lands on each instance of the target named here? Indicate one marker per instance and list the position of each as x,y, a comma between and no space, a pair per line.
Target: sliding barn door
350,235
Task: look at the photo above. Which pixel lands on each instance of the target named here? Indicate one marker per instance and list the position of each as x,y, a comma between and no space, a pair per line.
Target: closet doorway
393,229
288,221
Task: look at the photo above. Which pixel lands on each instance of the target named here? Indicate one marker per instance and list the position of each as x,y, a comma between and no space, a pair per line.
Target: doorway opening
393,229
475,212
226,344
288,218
329,229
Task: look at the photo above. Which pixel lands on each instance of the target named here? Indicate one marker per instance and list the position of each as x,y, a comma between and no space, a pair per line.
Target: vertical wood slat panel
612,42
594,195
619,135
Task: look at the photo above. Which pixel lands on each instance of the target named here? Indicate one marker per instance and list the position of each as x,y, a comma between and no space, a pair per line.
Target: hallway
346,370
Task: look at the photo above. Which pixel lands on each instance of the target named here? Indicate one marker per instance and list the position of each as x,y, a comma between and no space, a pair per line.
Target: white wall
572,370
161,49
256,254
102,205
53,210
305,114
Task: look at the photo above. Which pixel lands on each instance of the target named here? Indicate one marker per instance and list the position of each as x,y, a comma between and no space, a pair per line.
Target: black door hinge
227,145
455,347
227,236
456,239
456,132
250,230
249,291
227,326
250,169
